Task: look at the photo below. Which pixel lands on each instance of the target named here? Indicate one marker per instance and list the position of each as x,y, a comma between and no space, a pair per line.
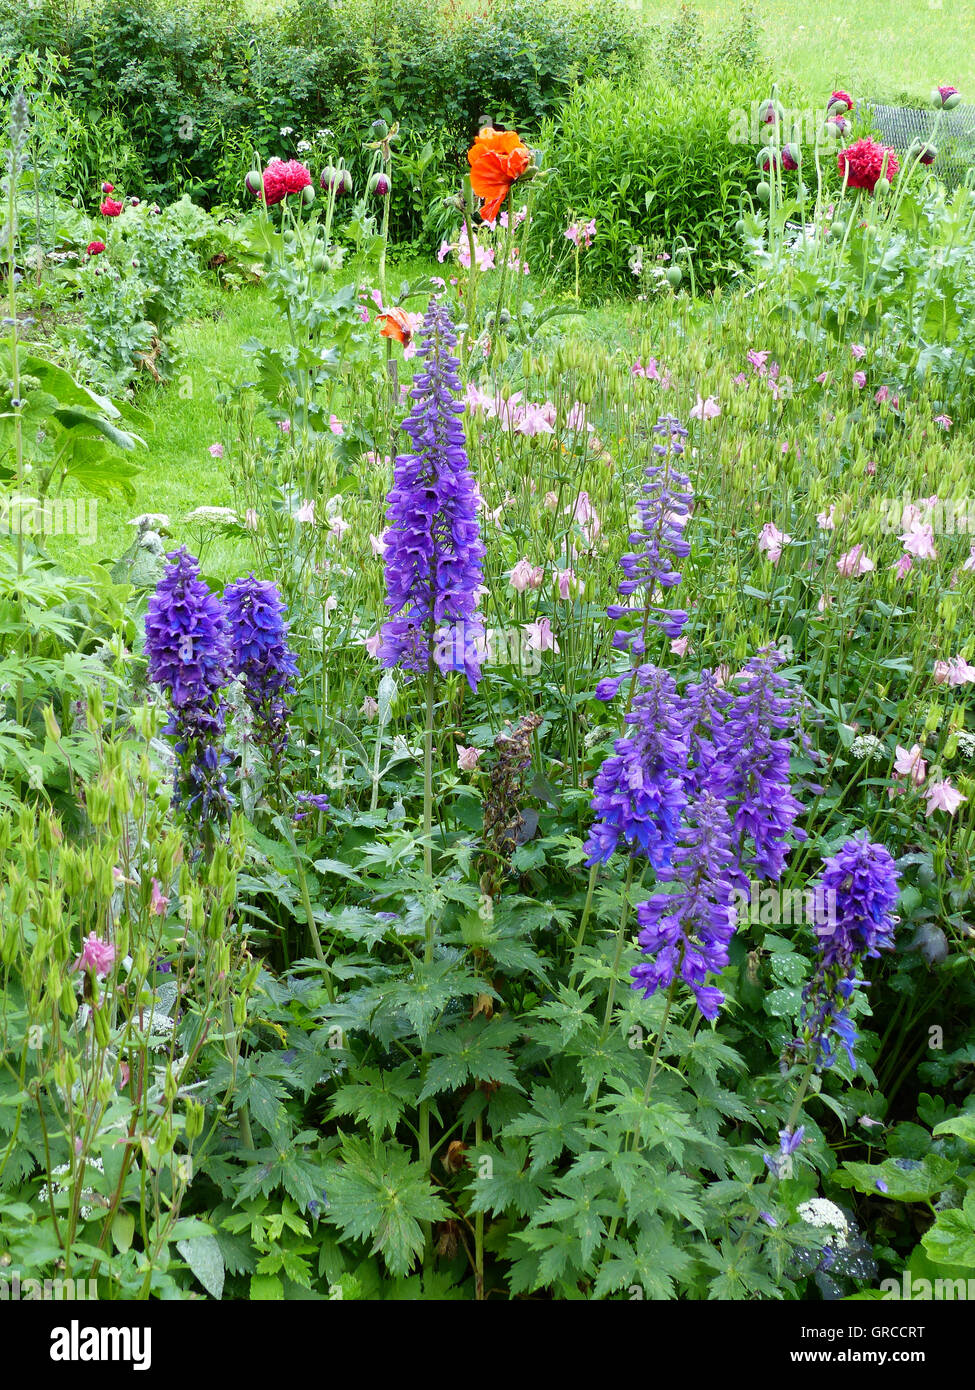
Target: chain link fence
899,126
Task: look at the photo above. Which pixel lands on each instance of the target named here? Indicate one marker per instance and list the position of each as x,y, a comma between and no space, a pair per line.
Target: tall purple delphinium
663,511
638,795
752,764
262,658
433,543
188,649
860,886
686,933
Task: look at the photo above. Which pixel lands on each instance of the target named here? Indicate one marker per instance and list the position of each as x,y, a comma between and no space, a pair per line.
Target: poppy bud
881,187
790,156
108,188
254,181
327,177
763,192
923,152
308,195
674,275
380,185
740,227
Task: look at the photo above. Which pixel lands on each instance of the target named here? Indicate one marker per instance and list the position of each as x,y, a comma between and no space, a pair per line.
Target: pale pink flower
568,584
306,512
919,541
551,501
576,418
705,409
854,562
909,763
722,675
945,421
525,575
377,543
539,636
679,646
858,350
970,562
335,425
758,360
825,520
960,672
284,426
903,566
369,708
468,758
216,451
941,671
251,519
772,540
871,467
536,419
338,527
96,955
859,380
372,644
825,601
942,796
158,902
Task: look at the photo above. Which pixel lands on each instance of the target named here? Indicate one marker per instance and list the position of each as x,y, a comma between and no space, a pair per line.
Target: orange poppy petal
396,325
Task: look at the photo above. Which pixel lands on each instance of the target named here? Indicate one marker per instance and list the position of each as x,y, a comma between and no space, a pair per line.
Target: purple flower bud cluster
262,657
861,885
706,772
663,511
638,793
687,932
188,650
789,1142
433,542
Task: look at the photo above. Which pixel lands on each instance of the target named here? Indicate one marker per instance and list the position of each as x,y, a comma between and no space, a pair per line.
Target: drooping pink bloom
158,902
96,955
909,763
942,796
525,575
539,636
468,758
918,540
854,562
705,409
825,520
536,419
679,646
859,380
372,644
306,512
960,672
945,421
772,540
903,566
215,451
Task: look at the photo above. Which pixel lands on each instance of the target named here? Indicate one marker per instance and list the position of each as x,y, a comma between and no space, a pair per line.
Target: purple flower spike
433,544
262,657
188,650
859,886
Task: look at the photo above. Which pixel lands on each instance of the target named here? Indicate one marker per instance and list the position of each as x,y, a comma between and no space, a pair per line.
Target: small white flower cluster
869,747
822,1214
966,744
61,1171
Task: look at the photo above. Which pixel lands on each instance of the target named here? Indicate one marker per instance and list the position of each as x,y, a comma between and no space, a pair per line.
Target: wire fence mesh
899,126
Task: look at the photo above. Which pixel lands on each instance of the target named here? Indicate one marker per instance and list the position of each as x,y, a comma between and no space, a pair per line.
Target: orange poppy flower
396,324
497,159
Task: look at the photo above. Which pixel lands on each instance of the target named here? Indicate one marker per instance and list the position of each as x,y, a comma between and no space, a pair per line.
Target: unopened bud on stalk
380,185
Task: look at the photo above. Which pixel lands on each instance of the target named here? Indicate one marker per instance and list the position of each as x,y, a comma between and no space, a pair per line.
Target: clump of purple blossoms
663,511
779,1164
860,884
188,649
638,795
433,542
752,764
262,658
687,932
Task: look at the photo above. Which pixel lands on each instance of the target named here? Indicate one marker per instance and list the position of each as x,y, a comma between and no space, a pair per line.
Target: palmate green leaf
951,1240
553,1124
376,1098
651,1264
473,1051
504,1183
382,1197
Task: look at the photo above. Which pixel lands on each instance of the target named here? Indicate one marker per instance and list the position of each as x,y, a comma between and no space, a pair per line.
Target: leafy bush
191,88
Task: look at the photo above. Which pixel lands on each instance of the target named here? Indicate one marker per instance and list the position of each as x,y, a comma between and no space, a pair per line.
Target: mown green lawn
872,47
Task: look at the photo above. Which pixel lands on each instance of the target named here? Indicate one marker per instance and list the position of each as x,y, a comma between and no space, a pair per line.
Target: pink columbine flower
536,419
772,540
468,758
306,512
679,646
377,544
854,562
158,902
369,708
551,501
859,380
338,527
525,575
909,763
284,426
96,955
335,425
918,540
568,584
758,360
904,566
539,636
373,643
959,671
942,796
945,421
858,350
215,451
705,409
826,520
250,519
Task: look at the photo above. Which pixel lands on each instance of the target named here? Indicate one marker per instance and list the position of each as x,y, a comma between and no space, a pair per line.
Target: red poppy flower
281,178
110,208
862,164
95,248
497,159
396,323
